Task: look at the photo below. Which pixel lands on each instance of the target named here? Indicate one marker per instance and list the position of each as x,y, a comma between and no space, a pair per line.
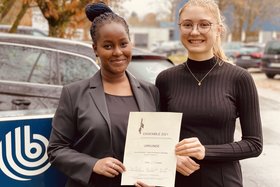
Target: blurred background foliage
63,15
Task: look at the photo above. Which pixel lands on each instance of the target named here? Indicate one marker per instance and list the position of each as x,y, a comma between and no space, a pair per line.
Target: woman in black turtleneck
212,94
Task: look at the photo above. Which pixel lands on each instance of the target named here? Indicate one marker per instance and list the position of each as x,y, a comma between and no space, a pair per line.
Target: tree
250,15
24,7
168,10
134,19
5,7
63,16
8,6
58,13
150,20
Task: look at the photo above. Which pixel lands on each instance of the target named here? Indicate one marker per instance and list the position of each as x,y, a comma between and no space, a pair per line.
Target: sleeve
72,163
161,84
251,143
156,97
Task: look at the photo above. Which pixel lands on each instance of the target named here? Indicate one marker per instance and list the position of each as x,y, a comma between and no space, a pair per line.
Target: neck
200,57
113,78
116,84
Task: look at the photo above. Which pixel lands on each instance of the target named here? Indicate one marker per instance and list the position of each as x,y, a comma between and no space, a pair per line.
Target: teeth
118,61
196,41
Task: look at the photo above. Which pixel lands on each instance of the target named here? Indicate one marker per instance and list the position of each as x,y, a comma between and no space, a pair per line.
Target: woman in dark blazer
89,127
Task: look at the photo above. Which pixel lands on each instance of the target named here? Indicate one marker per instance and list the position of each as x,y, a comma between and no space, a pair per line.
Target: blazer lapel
97,94
137,92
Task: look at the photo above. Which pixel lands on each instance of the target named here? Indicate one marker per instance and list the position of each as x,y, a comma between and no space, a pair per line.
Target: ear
94,47
220,30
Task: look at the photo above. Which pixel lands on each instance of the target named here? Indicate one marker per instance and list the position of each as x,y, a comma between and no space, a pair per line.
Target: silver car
34,69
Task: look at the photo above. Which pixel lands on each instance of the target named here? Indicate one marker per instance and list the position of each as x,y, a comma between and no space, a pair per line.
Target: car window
23,64
232,45
250,49
273,48
148,69
36,65
73,68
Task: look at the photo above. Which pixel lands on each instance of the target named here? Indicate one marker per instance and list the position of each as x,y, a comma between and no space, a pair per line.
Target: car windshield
148,69
250,49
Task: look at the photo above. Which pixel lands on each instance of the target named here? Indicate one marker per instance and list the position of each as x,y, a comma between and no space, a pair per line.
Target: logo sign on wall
23,153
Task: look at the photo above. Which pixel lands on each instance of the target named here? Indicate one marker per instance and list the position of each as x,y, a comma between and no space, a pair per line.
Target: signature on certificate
141,126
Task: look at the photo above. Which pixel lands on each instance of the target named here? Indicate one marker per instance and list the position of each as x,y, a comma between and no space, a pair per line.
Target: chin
196,50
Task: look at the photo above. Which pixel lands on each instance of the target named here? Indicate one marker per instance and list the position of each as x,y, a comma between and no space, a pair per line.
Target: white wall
154,34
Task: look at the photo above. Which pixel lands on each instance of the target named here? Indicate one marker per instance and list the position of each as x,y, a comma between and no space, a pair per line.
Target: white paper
150,148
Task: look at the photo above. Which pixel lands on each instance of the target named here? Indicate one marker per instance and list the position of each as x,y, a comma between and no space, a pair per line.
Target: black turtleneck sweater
210,112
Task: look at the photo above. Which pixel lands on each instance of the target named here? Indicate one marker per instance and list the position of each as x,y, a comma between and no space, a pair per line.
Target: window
148,69
27,64
73,68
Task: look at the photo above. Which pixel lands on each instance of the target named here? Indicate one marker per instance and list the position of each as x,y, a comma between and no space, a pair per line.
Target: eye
187,24
107,46
124,44
204,24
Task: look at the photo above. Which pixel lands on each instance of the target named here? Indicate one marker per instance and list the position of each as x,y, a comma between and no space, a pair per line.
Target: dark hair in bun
100,14
96,9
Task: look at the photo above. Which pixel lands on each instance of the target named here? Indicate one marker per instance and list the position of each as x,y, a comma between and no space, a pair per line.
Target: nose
195,30
117,51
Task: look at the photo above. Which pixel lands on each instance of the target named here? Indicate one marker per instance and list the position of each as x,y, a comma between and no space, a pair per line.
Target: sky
142,7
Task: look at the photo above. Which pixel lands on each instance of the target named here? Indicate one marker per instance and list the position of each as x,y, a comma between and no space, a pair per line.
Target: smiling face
197,41
114,49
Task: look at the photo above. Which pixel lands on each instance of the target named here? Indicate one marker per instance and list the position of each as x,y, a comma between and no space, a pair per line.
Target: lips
196,41
118,61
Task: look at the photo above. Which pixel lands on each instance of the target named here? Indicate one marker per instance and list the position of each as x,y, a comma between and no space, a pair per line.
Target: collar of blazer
96,80
98,95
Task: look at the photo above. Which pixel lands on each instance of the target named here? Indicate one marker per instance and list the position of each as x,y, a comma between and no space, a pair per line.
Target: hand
141,184
109,167
190,147
186,166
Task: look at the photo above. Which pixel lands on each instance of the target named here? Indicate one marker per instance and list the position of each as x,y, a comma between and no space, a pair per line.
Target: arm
251,144
245,100
74,164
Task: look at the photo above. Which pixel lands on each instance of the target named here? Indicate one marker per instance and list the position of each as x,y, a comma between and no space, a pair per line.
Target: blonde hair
213,7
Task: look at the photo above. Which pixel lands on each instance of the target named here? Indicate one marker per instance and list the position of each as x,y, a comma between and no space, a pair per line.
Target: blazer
81,128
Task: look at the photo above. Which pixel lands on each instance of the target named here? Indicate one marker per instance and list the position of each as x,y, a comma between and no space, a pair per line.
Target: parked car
24,30
250,56
168,48
232,49
271,59
34,69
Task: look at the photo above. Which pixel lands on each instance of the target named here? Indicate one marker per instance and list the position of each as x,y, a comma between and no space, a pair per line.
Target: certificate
149,154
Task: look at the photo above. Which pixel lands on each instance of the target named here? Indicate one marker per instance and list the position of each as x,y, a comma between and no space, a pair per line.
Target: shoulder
146,89
171,71
238,77
236,71
147,86
77,85
170,75
92,82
